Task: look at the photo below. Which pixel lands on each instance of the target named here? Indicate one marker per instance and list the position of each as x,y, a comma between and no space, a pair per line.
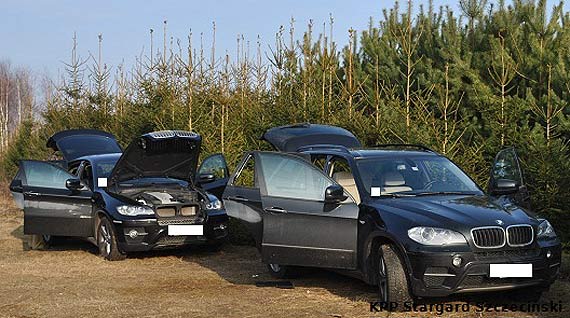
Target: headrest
394,179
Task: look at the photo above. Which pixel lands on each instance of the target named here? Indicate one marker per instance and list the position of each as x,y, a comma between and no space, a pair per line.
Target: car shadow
242,265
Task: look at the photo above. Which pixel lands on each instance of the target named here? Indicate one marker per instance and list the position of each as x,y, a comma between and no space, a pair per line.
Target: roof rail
323,146
421,147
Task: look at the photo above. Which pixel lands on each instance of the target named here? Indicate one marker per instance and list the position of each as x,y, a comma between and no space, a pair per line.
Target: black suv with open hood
401,217
144,198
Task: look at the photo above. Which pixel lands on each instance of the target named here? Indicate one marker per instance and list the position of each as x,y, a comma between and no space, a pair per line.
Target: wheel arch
370,254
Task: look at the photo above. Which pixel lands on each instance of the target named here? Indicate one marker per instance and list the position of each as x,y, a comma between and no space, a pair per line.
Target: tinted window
246,177
79,146
286,176
506,166
216,165
45,175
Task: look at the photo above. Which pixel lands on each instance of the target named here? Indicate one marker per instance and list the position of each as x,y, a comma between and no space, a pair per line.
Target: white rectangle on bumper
510,270
176,230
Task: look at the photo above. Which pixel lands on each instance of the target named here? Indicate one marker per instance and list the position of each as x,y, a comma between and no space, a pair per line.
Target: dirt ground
70,280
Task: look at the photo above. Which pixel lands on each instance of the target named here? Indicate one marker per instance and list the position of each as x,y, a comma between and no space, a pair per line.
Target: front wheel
392,279
107,242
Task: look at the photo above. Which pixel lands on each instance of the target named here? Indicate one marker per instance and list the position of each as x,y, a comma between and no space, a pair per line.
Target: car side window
87,176
216,165
319,161
340,171
246,176
287,176
45,175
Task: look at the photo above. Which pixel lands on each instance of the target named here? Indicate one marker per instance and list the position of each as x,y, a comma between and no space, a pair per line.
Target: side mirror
504,187
73,184
16,186
334,194
206,178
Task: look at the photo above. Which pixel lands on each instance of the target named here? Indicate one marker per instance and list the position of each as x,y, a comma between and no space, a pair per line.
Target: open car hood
75,143
291,138
161,154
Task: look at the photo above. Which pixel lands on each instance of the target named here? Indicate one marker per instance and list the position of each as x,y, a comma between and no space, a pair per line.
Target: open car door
507,179
292,221
213,174
50,207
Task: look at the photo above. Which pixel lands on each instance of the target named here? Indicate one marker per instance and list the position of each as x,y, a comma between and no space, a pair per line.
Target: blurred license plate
510,270
175,230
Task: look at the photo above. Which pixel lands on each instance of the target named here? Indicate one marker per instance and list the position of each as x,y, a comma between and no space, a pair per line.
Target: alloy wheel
275,267
105,239
382,280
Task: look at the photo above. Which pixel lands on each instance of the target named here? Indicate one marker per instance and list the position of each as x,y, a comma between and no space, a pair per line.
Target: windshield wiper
440,193
396,195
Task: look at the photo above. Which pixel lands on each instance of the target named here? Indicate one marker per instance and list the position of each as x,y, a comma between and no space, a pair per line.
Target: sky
38,33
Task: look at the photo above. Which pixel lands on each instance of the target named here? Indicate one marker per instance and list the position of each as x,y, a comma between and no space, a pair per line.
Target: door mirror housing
504,187
206,178
334,194
73,184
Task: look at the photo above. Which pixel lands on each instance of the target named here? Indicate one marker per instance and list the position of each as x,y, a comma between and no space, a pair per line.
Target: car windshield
428,175
104,168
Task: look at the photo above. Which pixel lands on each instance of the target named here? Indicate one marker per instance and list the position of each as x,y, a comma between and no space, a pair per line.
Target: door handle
33,193
275,209
238,198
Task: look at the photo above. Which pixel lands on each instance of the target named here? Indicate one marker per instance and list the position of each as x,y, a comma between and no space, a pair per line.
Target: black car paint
387,220
65,212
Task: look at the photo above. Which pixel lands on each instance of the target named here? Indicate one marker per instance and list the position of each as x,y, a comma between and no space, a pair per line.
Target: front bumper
433,274
154,235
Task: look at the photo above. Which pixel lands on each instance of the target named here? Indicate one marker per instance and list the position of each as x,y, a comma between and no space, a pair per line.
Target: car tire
392,278
39,242
280,271
107,242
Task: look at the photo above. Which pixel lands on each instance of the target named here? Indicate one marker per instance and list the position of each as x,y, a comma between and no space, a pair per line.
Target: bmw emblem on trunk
500,222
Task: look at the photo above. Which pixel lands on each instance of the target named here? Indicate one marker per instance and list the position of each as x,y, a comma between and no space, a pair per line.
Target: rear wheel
107,242
392,280
40,241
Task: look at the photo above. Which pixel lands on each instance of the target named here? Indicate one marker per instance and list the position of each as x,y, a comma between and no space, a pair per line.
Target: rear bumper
152,235
433,274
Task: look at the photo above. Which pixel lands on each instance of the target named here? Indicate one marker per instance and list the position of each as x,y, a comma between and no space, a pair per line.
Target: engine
171,204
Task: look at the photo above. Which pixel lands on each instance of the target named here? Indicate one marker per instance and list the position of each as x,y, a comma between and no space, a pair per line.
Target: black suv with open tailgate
401,217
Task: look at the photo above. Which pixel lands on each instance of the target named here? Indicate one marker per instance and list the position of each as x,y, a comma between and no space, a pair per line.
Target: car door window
216,165
319,161
287,176
45,175
340,171
506,166
246,176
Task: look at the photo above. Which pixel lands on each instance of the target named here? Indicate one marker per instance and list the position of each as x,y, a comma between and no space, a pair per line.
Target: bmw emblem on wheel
500,222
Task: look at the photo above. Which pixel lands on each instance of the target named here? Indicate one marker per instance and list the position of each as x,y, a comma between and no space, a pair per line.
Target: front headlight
435,236
545,229
214,204
134,210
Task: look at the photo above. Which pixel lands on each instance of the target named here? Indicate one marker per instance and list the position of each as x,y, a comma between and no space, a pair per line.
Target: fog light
456,261
133,233
548,254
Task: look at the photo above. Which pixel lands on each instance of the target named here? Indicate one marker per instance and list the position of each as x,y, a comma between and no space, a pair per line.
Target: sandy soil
70,280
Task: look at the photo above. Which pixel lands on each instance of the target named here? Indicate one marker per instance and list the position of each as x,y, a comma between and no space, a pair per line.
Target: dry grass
72,281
